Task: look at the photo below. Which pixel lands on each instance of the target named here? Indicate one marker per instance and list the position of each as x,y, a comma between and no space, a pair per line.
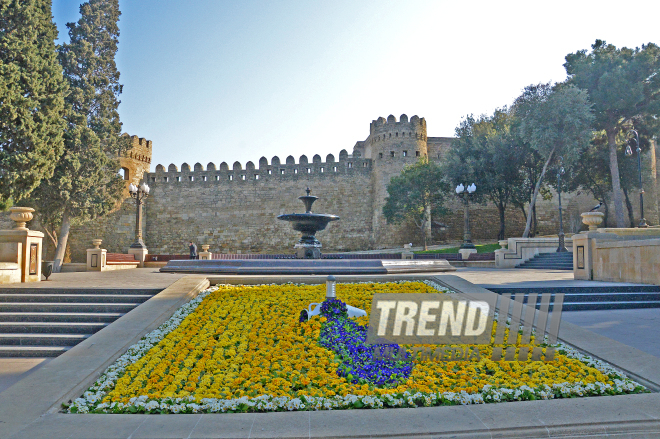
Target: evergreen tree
415,195
624,88
31,97
488,151
85,184
557,122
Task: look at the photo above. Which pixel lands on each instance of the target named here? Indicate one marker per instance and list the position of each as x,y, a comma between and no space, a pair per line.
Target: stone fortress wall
235,209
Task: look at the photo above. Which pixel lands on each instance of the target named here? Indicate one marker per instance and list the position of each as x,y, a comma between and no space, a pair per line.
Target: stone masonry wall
237,209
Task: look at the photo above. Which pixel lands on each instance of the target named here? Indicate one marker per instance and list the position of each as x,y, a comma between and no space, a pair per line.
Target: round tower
392,145
135,161
390,140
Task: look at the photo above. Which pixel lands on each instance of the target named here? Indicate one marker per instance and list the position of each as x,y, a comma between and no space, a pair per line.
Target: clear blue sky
211,80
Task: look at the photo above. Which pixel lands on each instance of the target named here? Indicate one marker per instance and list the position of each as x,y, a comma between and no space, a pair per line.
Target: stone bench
120,261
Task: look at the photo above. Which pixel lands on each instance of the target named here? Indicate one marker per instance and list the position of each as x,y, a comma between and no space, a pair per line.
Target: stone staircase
596,298
44,322
550,261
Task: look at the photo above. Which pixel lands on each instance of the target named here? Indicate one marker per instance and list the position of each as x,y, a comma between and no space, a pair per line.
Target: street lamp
139,194
464,194
560,172
635,138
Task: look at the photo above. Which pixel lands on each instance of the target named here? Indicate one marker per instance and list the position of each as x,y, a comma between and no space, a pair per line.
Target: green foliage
624,88
557,122
31,97
623,84
416,192
489,152
85,184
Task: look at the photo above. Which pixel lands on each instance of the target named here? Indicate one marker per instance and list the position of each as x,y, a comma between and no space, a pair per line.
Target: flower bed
243,348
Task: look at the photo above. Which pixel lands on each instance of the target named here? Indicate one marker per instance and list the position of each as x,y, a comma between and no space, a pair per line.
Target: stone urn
592,219
97,242
21,215
503,243
205,247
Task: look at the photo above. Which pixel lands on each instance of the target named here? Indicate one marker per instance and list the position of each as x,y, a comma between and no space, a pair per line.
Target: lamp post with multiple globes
139,194
562,237
464,194
633,136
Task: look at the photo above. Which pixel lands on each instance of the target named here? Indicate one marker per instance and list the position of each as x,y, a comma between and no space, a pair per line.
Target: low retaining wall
520,250
628,261
618,255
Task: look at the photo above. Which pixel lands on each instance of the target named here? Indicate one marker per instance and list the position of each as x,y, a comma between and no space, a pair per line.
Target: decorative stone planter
503,243
21,215
97,243
592,219
205,247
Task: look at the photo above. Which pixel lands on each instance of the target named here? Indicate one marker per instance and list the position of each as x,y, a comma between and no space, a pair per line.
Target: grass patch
484,248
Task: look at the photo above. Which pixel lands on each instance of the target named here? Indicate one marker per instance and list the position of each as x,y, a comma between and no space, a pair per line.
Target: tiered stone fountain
308,224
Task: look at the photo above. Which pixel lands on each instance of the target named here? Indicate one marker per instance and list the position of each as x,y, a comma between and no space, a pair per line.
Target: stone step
50,327
546,267
595,298
562,255
75,298
595,306
23,339
91,317
32,351
66,307
47,291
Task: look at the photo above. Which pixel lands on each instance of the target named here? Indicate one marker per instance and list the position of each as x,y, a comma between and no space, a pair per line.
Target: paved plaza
625,336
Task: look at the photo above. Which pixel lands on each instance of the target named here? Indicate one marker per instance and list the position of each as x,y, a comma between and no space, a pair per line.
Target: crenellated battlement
383,129
275,170
140,149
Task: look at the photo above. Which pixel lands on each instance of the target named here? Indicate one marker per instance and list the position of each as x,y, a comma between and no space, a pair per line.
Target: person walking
193,250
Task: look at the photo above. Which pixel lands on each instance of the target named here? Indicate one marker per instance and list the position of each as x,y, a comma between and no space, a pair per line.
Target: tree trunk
607,214
631,215
61,242
537,188
500,208
617,197
535,224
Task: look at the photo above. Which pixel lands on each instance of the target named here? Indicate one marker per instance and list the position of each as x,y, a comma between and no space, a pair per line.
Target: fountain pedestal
308,223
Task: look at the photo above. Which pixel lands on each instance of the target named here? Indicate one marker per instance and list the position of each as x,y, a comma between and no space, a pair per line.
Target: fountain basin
250,267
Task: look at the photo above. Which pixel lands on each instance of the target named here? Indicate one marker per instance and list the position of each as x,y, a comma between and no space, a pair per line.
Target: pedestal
466,252
96,259
22,247
140,254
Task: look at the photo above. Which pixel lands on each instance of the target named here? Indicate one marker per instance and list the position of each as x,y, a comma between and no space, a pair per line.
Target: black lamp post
562,242
139,194
464,194
635,138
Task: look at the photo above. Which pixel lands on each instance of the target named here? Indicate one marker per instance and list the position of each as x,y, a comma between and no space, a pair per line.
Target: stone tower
391,146
136,160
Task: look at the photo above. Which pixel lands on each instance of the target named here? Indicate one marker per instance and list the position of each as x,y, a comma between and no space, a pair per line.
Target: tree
85,184
31,97
623,86
556,121
416,195
487,151
591,173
